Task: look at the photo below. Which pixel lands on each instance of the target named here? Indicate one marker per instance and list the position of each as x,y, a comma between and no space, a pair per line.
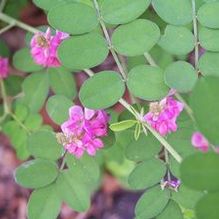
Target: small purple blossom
162,115
44,48
4,67
83,130
173,184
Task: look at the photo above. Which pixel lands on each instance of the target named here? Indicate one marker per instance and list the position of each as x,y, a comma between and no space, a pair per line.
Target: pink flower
162,115
44,48
83,129
4,67
200,142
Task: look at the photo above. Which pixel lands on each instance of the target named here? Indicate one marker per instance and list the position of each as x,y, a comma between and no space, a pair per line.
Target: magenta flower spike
200,142
83,130
44,48
162,115
4,67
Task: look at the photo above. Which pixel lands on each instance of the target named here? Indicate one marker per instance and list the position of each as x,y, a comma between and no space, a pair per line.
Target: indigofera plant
165,140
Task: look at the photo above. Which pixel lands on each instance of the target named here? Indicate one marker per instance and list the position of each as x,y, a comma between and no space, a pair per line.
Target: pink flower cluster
44,48
200,142
4,67
162,115
84,129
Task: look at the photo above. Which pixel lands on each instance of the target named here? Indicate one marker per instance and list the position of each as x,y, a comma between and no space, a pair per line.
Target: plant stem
166,154
20,123
106,34
63,161
89,72
150,59
7,110
8,27
195,30
2,5
177,95
138,117
20,24
4,97
186,106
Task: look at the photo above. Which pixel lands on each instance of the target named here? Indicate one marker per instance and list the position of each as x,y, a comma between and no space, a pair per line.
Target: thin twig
195,30
150,59
8,27
2,5
20,24
107,36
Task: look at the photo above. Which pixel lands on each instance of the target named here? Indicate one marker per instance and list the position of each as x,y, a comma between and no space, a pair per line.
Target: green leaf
140,36
146,147
123,11
208,15
62,82
33,121
4,50
207,207
18,138
57,107
123,125
22,60
86,167
44,203
35,88
146,82
13,84
181,141
46,4
143,177
109,140
181,76
82,18
137,131
43,144
73,191
209,64
177,40
36,173
152,203
21,111
209,39
200,172
103,90
85,51
176,12
205,105
186,197
172,210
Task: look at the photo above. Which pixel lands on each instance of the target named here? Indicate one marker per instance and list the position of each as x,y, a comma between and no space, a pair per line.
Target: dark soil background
110,202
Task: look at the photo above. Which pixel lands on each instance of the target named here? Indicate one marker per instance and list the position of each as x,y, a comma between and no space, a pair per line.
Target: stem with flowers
138,117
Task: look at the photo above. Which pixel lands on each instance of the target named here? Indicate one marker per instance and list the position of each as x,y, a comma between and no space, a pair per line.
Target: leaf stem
195,30
107,36
20,123
150,59
138,117
8,27
20,24
4,97
2,5
186,106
